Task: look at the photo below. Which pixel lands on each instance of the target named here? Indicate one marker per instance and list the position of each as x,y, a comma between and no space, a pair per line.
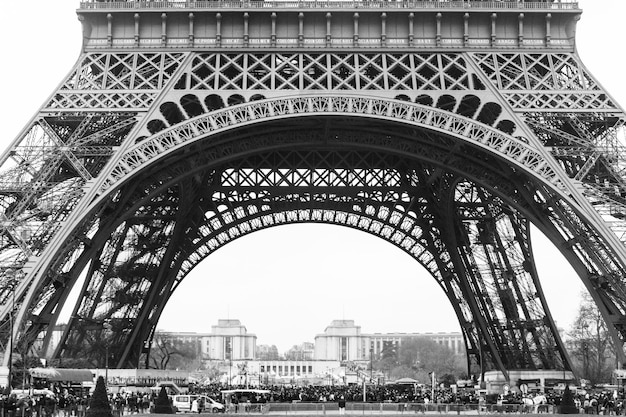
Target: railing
348,4
357,408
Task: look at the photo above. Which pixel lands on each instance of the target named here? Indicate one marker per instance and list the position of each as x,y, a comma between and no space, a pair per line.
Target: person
342,405
62,405
194,406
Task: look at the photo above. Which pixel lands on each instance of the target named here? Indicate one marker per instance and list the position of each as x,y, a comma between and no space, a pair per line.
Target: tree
162,403
75,363
590,344
299,352
168,354
389,358
567,403
99,405
416,357
267,353
428,355
19,375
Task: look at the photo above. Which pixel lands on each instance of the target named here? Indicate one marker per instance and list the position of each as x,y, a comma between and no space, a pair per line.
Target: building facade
343,340
303,352
229,340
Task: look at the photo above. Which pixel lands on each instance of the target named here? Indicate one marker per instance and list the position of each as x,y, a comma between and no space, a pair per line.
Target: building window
228,348
262,368
344,348
310,369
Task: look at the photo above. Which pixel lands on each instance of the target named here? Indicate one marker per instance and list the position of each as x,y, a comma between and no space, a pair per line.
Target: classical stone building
229,340
343,340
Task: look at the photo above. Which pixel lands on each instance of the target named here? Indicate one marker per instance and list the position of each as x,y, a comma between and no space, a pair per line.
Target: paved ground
369,414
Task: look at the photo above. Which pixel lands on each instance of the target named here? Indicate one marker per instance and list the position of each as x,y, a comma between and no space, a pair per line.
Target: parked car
182,403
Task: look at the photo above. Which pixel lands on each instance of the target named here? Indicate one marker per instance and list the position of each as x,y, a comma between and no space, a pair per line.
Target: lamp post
371,364
10,274
432,386
106,326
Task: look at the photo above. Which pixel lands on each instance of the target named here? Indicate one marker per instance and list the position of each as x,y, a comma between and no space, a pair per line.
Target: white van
182,403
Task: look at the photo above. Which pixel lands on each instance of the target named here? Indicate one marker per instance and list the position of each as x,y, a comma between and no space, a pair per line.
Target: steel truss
143,164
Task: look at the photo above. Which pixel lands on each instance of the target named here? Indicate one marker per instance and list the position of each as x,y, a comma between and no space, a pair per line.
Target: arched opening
446,102
214,102
468,106
489,113
156,125
348,270
236,99
424,100
506,126
364,279
191,105
172,113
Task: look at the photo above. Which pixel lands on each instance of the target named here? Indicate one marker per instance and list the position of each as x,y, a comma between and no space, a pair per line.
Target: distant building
229,340
188,341
342,340
302,352
267,353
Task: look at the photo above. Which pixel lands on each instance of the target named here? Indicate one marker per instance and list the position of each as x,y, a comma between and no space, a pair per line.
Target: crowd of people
72,405
593,402
408,396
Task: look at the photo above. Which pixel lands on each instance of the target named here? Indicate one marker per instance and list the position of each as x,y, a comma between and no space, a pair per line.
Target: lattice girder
496,251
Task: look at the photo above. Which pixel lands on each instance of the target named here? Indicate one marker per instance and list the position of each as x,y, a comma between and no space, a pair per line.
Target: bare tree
417,357
165,352
590,346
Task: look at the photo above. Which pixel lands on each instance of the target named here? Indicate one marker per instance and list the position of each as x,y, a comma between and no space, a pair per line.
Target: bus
244,396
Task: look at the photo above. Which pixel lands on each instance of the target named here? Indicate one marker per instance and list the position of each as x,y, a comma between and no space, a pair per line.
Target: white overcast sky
286,284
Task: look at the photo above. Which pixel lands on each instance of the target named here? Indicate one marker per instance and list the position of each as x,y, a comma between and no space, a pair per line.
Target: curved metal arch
371,144
367,141
157,146
393,119
517,151
165,184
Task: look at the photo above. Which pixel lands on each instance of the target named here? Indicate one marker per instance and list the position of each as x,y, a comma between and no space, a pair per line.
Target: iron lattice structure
444,128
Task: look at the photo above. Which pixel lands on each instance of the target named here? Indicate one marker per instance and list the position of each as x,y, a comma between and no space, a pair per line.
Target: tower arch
247,159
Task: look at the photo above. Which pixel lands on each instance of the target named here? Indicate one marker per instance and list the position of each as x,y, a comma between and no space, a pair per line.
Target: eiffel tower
445,128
